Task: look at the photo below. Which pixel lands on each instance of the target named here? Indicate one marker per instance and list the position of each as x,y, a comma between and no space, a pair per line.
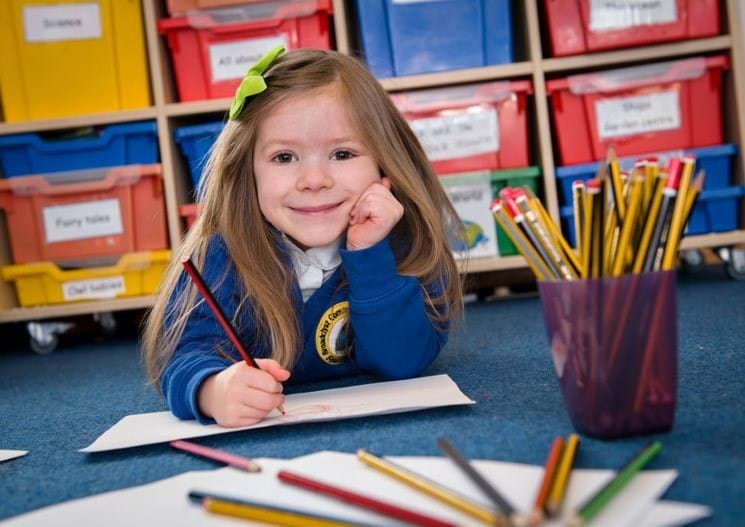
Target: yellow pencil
675,232
270,515
433,489
536,263
586,242
549,245
558,489
635,200
616,184
566,249
650,221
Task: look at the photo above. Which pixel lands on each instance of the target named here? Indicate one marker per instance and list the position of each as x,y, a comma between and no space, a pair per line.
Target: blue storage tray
715,211
113,145
195,142
434,35
715,160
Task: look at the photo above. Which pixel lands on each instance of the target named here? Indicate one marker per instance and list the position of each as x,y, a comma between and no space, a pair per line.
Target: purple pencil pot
614,343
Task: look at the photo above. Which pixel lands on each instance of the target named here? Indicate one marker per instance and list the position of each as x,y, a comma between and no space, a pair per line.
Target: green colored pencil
595,504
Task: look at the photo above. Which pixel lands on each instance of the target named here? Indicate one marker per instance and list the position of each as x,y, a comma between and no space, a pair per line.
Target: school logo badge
333,340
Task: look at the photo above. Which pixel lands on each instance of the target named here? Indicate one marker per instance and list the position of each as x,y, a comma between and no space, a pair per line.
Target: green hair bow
253,83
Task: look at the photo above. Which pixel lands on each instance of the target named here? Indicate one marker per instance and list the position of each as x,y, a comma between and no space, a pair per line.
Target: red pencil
372,504
221,318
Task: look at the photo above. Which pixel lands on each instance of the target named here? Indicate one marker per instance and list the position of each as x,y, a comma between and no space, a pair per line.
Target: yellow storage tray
44,283
71,57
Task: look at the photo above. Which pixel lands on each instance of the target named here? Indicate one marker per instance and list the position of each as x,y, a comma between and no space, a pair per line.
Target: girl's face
311,166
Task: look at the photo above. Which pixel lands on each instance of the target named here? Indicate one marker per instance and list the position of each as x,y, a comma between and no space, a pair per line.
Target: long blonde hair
230,208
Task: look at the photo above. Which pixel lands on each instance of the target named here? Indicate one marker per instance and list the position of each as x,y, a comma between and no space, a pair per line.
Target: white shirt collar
314,266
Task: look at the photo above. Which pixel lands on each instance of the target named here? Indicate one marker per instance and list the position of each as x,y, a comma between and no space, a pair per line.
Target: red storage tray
648,108
212,50
582,26
471,127
189,212
75,217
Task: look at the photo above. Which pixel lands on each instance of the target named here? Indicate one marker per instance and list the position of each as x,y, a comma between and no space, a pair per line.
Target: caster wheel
44,346
736,265
693,260
43,335
106,322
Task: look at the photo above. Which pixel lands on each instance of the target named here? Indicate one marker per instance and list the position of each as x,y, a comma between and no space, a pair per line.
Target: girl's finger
260,380
262,401
273,368
386,182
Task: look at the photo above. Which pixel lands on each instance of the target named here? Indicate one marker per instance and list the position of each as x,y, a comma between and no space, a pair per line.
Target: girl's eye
283,157
343,155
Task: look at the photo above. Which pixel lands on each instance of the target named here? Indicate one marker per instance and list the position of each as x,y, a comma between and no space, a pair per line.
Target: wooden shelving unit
534,64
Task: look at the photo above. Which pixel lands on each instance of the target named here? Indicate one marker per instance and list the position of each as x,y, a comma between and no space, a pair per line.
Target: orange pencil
549,473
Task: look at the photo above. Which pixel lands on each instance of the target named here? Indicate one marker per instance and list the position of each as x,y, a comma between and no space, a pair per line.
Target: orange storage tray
79,216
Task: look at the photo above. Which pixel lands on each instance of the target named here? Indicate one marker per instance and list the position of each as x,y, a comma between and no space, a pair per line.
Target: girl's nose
314,177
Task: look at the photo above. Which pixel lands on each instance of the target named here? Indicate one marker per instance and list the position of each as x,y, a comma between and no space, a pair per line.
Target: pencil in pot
220,315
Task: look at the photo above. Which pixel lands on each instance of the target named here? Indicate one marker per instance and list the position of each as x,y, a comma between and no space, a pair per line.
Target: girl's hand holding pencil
373,217
242,395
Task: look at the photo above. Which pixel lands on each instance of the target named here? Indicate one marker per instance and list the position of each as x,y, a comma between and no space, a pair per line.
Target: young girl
323,233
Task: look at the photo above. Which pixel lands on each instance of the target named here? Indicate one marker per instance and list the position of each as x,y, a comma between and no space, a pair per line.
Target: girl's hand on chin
373,217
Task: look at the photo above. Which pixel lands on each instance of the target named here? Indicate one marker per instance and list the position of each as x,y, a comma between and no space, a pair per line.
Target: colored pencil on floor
470,471
549,476
359,500
266,513
595,504
433,489
232,460
563,475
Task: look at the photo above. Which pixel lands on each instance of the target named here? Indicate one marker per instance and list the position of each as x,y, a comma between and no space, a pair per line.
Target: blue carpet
52,405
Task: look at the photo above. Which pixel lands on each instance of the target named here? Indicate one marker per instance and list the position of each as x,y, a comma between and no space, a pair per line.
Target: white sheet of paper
325,405
6,455
165,502
673,513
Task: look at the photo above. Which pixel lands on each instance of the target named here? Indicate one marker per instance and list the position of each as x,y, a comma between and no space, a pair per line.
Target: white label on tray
90,219
462,134
108,287
471,197
232,60
625,116
606,15
52,23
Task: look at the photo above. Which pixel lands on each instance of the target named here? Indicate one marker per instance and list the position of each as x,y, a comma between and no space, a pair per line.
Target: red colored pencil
552,462
217,310
353,498
221,318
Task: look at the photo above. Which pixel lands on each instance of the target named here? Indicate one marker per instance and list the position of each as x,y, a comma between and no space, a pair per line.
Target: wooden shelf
612,58
506,71
78,121
20,314
197,107
177,181
497,263
717,239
